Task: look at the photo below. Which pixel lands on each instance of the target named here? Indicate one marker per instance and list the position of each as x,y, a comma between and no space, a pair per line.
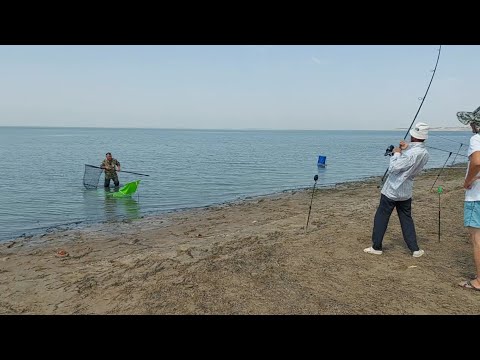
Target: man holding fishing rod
111,166
407,162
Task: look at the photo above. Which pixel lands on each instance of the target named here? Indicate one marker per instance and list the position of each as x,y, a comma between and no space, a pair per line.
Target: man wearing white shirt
407,161
471,213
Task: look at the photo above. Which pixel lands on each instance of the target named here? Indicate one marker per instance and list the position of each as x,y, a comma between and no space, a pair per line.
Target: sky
318,87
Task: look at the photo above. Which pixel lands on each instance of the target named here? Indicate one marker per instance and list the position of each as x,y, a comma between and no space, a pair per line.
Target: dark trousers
382,216
114,178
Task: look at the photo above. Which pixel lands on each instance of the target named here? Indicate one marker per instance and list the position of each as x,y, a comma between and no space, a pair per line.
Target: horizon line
458,128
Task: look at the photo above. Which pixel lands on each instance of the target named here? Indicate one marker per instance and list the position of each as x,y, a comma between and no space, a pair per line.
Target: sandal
468,285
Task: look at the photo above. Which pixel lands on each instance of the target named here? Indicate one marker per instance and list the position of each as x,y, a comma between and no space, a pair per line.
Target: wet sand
252,257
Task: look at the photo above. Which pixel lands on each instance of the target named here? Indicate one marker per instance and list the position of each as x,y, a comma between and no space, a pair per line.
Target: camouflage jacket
109,166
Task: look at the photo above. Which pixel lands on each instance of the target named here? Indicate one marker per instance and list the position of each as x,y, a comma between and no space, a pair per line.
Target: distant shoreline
443,129
219,129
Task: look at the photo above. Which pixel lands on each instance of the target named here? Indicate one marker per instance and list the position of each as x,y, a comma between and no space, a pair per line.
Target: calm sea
41,169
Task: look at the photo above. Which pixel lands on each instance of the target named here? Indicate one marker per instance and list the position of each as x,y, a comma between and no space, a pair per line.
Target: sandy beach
252,257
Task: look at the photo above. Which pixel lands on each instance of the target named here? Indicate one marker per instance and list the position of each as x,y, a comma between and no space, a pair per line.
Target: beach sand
252,257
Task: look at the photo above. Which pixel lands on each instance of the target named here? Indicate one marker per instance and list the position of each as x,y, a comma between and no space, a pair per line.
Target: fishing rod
455,158
447,151
440,171
445,138
415,117
123,171
315,178
455,141
440,191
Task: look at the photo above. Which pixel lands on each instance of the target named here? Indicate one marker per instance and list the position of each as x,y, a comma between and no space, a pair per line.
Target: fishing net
467,117
91,176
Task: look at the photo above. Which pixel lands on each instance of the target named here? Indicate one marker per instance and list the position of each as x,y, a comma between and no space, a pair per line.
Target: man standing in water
471,210
111,166
407,161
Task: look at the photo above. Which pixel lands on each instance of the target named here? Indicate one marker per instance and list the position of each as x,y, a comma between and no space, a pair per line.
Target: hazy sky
236,87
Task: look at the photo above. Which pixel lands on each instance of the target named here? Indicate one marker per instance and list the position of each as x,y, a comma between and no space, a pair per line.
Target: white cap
420,131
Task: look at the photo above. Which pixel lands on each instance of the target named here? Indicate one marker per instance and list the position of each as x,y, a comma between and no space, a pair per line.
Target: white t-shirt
473,194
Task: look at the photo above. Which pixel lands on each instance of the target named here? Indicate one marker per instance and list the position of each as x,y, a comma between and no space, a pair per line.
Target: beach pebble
62,253
183,248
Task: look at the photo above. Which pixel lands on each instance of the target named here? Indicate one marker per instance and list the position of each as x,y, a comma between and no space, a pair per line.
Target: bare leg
475,238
